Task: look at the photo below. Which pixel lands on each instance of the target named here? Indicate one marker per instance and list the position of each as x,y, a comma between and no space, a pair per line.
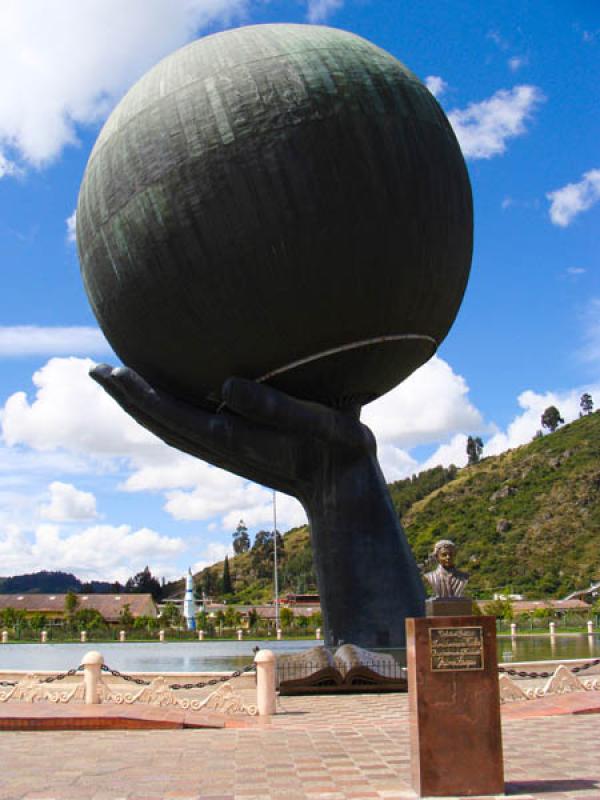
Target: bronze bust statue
446,581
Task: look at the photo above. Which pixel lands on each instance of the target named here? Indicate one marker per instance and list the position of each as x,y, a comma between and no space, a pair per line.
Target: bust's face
445,556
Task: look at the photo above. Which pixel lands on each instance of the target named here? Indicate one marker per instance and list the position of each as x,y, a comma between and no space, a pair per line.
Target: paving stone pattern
316,748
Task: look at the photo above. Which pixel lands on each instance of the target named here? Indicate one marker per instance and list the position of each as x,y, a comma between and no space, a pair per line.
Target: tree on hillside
474,449
171,616
586,404
262,553
286,617
71,603
551,418
144,582
209,582
126,618
88,618
241,540
226,584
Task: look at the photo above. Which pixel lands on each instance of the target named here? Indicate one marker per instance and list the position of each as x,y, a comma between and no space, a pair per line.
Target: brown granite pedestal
454,702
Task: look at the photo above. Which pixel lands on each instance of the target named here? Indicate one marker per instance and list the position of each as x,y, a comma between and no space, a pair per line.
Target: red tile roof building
109,605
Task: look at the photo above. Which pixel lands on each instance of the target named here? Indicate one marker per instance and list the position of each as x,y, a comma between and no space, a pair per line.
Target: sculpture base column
454,702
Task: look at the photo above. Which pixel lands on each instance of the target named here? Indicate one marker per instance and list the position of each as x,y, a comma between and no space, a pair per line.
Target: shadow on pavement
556,785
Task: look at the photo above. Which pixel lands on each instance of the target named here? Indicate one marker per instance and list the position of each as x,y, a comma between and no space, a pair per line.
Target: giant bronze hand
367,577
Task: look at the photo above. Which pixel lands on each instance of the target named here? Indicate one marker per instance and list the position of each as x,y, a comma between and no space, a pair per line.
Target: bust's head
445,553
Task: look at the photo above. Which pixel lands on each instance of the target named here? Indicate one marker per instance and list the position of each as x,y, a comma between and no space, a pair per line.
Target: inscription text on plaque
454,649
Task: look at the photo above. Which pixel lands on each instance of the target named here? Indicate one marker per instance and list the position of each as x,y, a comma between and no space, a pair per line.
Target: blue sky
81,487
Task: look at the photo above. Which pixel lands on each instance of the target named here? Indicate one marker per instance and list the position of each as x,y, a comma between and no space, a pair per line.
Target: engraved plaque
456,649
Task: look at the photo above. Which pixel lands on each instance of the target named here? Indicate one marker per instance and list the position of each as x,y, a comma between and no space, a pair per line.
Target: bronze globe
284,203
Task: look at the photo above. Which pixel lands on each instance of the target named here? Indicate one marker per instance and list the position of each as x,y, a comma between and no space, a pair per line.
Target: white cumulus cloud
71,223
432,403
484,128
569,201
452,452
105,552
67,63
320,10
212,552
71,412
436,85
67,503
525,424
17,341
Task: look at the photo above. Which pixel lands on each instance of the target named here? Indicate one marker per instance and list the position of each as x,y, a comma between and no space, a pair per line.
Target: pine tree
241,540
227,585
586,404
474,449
551,418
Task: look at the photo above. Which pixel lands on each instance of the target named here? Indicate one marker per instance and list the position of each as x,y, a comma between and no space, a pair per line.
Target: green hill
527,521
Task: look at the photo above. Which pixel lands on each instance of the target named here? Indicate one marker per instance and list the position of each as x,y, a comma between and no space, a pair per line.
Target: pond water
546,648
211,656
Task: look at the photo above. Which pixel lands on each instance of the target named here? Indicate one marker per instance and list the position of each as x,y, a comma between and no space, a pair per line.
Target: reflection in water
211,656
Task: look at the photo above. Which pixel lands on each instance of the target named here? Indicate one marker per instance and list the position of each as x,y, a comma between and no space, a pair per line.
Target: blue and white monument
189,604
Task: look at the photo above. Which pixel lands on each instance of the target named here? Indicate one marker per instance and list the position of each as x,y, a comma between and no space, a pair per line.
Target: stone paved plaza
315,748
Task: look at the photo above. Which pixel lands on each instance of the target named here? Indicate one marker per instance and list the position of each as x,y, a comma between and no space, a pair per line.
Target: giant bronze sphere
280,202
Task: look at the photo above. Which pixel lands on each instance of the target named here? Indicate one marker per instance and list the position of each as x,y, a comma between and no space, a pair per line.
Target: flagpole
275,560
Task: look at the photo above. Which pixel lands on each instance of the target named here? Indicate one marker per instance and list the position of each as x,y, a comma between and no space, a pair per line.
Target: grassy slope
546,493
549,493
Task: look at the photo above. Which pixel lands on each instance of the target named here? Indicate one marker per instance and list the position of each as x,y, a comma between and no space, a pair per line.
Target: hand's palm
261,433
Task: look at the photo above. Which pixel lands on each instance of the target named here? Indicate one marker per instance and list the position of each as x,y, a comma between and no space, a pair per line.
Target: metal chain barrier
593,663
116,674
523,674
199,685
62,675
213,681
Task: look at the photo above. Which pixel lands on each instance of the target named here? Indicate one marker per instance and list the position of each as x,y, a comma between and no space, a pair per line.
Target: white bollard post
83,637
200,636
240,634
44,637
266,698
553,629
318,633
92,667
4,637
278,634
513,628
161,636
590,627
121,636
